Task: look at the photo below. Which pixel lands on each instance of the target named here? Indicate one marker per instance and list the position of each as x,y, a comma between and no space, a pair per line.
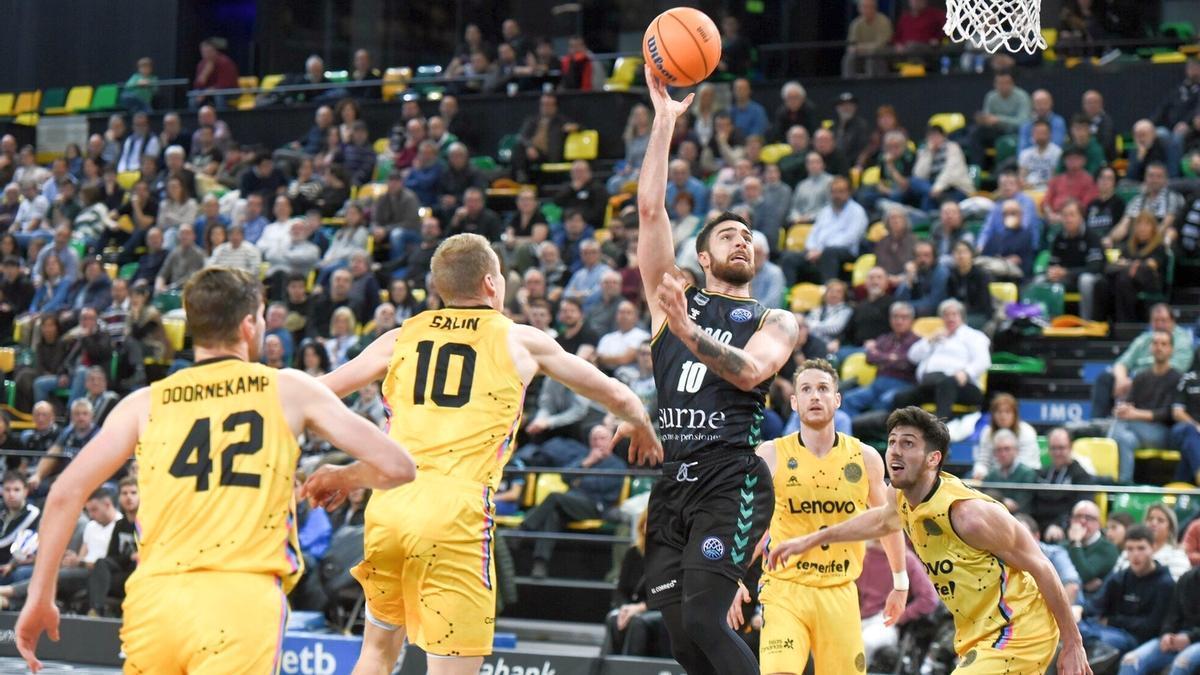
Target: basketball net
992,25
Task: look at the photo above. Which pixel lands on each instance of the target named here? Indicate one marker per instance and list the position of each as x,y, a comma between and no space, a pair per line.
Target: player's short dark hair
14,477
933,430
1140,532
101,494
817,364
216,300
706,231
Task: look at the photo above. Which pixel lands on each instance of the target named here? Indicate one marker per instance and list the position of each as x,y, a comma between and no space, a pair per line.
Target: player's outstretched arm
871,524
383,463
586,380
371,364
893,543
989,527
98,460
656,250
745,368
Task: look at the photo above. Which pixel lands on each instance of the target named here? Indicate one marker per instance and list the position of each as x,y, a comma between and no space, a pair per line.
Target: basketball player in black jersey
716,351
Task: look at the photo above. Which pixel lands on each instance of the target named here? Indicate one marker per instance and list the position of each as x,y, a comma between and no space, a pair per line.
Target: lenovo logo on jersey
690,418
657,59
939,566
820,506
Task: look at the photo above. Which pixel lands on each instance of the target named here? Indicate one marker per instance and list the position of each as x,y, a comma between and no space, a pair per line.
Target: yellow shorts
799,619
427,564
1024,653
204,623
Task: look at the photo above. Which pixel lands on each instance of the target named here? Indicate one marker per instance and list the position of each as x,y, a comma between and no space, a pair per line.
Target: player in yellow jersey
1008,604
454,379
821,478
216,451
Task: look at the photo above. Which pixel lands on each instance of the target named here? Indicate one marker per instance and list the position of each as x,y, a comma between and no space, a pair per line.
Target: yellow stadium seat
269,82
175,330
583,144
395,81
928,325
1169,57
79,98
6,104
27,102
870,176
1102,452
949,122
774,152
372,190
126,179
876,232
624,73
1004,291
1112,254
245,100
912,69
381,145
855,367
8,359
806,296
858,276
602,235
548,484
797,235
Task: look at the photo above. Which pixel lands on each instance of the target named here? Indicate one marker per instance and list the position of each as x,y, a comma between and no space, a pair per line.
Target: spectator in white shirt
619,347
768,284
30,221
138,144
237,252
829,319
950,364
1039,161
279,233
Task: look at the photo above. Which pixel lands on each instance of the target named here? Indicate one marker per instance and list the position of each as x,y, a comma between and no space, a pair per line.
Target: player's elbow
400,470
748,380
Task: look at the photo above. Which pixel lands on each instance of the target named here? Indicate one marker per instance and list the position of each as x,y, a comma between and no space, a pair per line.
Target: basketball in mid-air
682,46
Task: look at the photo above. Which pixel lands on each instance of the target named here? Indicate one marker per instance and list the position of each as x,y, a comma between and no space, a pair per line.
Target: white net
992,25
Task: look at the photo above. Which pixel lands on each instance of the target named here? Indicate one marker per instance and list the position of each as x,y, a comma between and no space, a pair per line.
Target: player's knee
702,626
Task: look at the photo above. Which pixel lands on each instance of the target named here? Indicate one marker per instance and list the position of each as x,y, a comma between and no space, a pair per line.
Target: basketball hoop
992,25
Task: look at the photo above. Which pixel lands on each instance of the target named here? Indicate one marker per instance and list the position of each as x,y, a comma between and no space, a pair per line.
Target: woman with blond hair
1138,270
1005,415
1164,525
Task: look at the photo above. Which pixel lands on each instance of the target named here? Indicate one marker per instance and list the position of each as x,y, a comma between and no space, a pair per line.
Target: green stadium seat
53,100
105,98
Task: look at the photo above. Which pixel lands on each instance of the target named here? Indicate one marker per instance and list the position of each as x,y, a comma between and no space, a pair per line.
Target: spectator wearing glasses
1093,555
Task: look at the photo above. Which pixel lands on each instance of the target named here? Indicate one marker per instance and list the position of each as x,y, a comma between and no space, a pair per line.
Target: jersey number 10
441,369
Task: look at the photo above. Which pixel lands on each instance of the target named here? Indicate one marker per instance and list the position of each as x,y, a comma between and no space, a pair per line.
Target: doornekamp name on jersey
690,418
809,506
251,384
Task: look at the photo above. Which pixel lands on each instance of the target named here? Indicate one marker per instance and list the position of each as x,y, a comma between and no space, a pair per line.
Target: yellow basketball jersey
455,394
812,493
216,467
992,603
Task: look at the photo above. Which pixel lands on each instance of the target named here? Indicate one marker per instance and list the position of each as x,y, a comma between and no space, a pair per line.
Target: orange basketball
682,46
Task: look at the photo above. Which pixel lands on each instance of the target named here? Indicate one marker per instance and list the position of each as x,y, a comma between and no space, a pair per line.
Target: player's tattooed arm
759,360
726,361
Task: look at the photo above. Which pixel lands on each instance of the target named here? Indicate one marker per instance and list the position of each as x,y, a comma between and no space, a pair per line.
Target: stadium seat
855,367
928,325
6,104
774,152
1004,291
1102,452
126,179
858,276
870,176
796,236
805,296
625,71
504,149
950,122
53,101
269,82
245,100
78,99
1133,504
27,102
395,81
582,144
876,232
1048,296
175,329
105,98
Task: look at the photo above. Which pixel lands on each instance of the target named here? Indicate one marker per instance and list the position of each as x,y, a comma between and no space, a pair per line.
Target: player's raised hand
795,546
324,488
663,103
644,447
893,607
36,618
741,597
1072,660
672,301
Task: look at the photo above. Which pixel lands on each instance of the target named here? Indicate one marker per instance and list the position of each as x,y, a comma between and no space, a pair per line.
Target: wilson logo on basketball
657,59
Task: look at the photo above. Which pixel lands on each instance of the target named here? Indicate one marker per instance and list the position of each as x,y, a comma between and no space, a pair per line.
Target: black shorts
705,514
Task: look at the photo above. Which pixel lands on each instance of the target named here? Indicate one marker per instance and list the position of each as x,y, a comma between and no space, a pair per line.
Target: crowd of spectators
342,233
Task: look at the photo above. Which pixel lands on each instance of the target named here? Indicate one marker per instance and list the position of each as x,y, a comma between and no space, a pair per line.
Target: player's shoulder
975,518
779,320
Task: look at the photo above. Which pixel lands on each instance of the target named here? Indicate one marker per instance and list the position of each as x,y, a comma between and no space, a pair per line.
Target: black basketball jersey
699,411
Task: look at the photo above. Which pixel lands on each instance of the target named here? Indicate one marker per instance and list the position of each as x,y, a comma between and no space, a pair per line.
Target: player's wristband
900,580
